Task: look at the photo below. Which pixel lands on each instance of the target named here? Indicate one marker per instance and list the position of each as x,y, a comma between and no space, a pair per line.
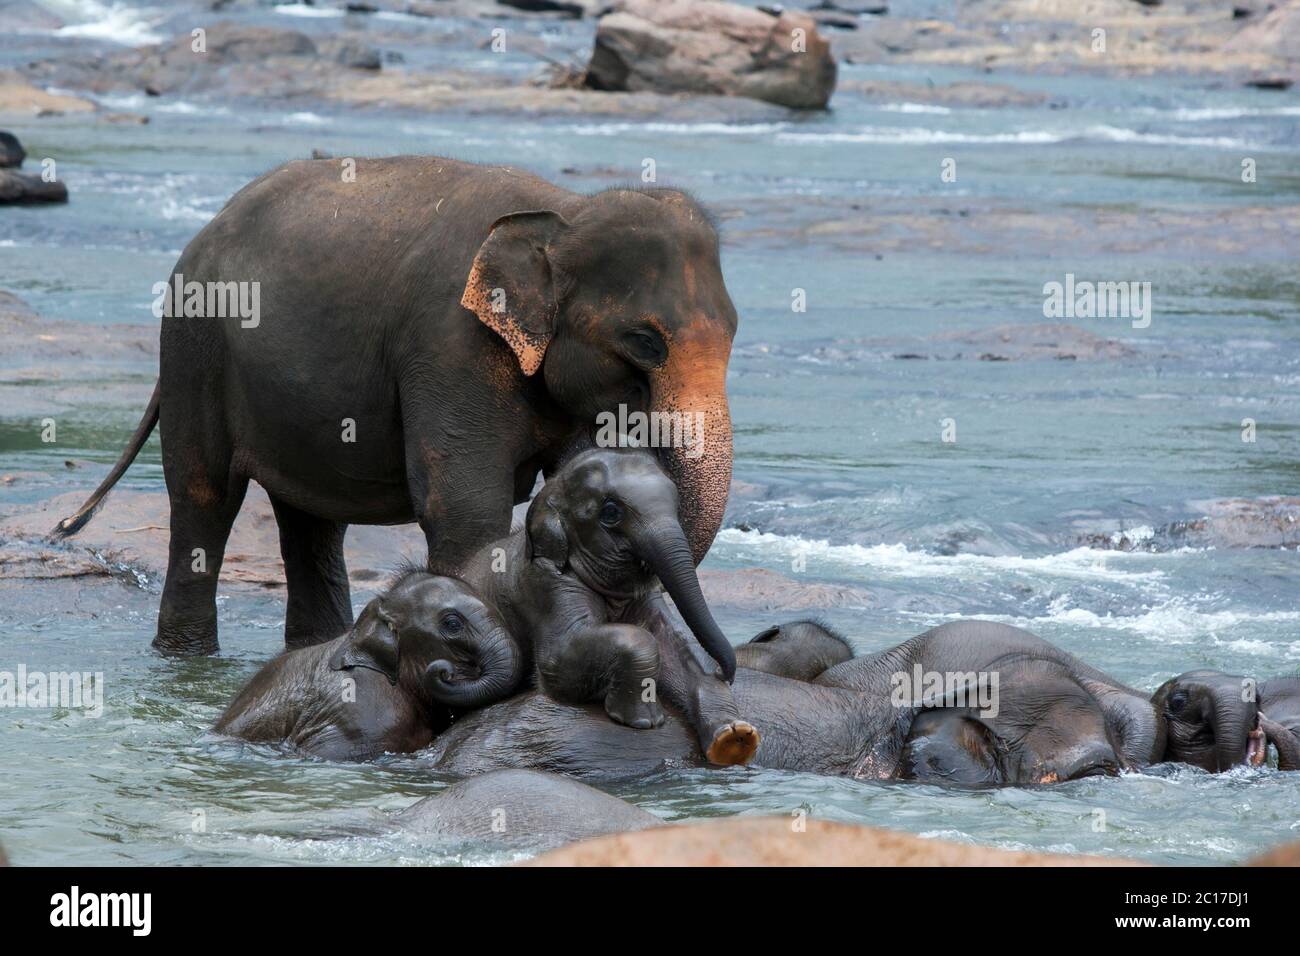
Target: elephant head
1043,727
611,515
617,300
799,650
1211,719
437,639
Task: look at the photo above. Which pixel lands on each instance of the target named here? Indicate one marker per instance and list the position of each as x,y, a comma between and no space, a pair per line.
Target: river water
841,464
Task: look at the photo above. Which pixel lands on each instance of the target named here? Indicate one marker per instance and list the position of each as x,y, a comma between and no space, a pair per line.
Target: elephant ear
512,287
546,535
372,644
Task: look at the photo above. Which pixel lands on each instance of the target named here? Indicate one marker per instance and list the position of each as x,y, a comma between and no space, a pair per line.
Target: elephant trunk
1286,742
692,389
500,668
1234,719
663,546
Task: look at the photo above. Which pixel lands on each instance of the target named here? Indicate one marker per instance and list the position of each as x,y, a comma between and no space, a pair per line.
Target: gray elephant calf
577,584
426,647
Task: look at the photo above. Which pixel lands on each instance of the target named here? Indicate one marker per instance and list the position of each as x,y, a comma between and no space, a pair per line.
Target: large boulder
12,153
16,187
681,46
771,841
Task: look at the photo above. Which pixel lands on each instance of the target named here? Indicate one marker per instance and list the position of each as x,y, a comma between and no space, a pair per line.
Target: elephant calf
578,580
1218,721
426,647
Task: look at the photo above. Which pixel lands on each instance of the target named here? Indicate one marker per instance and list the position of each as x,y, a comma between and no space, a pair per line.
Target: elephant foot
192,640
733,745
635,713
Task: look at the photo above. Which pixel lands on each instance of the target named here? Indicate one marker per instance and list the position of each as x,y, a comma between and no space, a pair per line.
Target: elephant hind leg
320,603
201,519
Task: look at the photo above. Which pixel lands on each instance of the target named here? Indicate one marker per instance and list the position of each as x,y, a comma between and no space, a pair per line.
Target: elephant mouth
1256,747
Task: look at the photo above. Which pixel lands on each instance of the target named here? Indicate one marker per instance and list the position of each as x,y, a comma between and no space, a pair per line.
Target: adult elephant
430,334
1050,719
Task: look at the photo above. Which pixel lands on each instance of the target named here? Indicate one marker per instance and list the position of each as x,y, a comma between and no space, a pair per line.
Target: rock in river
17,187
676,46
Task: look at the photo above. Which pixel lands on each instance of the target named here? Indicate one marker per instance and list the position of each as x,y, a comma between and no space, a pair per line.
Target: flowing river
1057,507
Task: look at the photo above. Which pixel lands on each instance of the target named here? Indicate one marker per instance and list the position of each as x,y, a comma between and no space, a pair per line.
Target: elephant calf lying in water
1211,720
1054,718
424,649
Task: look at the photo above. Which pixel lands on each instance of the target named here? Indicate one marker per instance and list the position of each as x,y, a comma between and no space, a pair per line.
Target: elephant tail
74,523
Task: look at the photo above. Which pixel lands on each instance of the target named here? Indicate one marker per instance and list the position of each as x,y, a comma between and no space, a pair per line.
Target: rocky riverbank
637,58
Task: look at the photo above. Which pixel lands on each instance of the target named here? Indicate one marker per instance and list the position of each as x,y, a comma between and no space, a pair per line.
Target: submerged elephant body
805,727
523,807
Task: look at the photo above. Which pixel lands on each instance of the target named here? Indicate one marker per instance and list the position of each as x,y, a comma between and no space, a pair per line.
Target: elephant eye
453,623
645,346
1177,701
610,514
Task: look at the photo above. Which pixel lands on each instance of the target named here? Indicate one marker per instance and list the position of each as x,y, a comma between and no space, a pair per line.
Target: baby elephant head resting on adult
1212,719
619,301
435,636
612,516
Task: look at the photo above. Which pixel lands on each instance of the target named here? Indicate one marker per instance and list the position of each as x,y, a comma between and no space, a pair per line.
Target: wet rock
564,7
1042,340
759,589
16,188
129,536
770,841
677,46
834,20
236,60
1270,82
981,95
12,153
1288,854
351,54
1275,34
125,119
1268,522
18,95
856,7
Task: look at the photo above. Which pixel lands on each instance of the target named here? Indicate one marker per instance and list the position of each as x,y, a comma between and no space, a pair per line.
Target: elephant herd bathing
435,335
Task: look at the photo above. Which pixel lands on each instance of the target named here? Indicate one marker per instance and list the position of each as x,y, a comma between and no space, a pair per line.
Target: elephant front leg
726,738
617,664
460,505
